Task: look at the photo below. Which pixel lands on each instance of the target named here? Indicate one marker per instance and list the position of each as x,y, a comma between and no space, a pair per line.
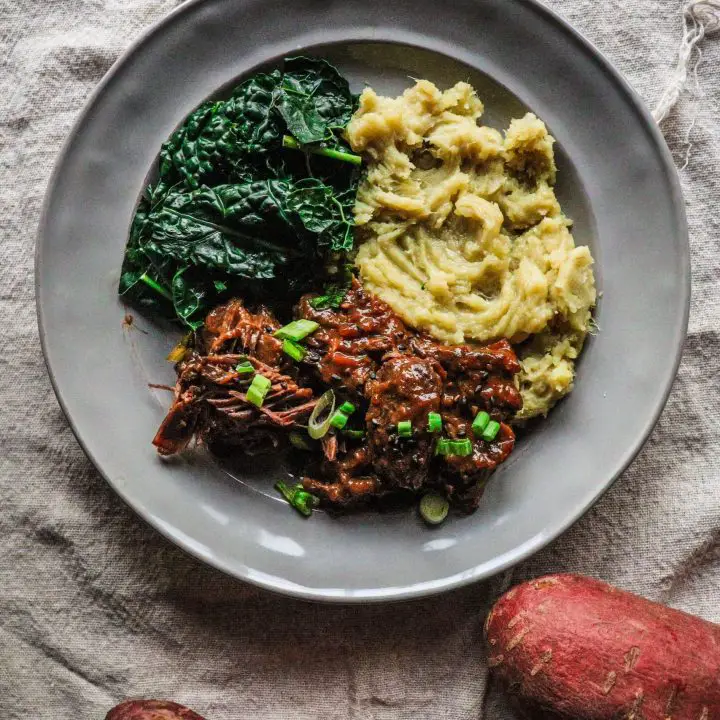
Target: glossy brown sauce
366,354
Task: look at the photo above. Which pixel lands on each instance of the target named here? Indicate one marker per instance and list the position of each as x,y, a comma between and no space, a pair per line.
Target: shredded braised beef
210,402
366,354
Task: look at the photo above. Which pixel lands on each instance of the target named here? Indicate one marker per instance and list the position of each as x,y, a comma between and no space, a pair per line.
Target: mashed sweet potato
462,235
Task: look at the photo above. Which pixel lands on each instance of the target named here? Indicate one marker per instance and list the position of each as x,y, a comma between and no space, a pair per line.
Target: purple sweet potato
578,648
151,710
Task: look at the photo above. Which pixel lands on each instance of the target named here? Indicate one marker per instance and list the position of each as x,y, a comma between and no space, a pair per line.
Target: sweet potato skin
578,648
151,710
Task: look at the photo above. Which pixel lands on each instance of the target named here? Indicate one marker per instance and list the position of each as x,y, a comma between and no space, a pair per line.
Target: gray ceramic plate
616,180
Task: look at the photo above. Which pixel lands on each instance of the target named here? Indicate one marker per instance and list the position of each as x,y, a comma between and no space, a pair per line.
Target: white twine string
701,18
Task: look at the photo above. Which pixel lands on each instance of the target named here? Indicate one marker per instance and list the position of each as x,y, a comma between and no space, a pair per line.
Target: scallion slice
294,350
339,419
442,446
319,422
491,431
434,422
354,434
480,422
298,497
258,390
244,368
347,407
297,330
404,428
434,508
463,447
447,447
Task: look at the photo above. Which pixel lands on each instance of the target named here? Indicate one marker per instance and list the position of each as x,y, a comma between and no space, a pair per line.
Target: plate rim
474,574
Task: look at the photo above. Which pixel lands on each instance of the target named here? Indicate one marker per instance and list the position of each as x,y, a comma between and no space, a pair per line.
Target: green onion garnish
244,368
434,422
354,434
319,422
294,350
453,447
442,446
339,419
404,428
258,390
480,422
298,497
491,431
297,330
433,508
463,447
347,407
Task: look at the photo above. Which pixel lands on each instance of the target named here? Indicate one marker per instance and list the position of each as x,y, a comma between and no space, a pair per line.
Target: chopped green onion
290,142
244,368
347,407
453,447
463,447
354,434
434,422
298,497
339,419
297,330
491,431
404,428
258,390
317,427
294,350
480,422
434,508
442,446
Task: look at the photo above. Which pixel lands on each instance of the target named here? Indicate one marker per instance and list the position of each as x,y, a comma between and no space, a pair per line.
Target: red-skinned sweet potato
151,710
578,648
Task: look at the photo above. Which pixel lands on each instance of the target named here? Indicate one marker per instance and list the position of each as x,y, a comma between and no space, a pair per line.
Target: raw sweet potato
579,648
151,710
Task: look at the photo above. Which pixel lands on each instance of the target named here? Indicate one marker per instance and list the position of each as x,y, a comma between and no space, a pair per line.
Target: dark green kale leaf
322,92
225,137
242,135
188,298
192,151
324,212
233,212
257,126
300,114
139,281
196,244
239,230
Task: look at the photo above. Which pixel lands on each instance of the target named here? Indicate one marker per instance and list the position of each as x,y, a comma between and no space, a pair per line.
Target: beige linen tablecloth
95,606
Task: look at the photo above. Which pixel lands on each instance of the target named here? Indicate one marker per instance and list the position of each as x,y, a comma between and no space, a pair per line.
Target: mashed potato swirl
462,235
